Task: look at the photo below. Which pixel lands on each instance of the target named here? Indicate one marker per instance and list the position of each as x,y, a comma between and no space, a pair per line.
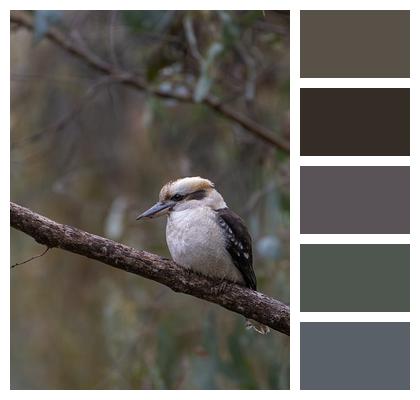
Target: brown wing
238,244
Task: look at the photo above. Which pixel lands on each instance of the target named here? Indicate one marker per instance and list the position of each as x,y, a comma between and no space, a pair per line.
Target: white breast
196,241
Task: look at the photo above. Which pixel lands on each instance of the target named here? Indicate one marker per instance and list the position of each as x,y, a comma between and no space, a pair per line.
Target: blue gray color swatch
355,355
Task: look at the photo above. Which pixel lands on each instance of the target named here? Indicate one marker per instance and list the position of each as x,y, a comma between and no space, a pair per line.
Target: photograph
150,200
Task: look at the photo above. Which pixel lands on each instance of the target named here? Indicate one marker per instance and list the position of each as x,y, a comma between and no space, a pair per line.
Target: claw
219,289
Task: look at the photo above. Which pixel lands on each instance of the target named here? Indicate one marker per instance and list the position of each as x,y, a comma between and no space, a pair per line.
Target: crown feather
184,186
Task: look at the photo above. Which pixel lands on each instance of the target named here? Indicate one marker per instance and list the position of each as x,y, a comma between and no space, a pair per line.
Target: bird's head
184,194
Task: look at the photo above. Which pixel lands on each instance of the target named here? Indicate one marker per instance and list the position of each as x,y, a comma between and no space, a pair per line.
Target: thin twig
78,48
60,124
191,38
112,49
32,258
251,73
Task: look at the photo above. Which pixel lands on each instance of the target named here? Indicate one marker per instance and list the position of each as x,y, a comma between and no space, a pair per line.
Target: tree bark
244,301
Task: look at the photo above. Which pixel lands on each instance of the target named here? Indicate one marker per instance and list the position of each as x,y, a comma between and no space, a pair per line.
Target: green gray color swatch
355,355
363,200
355,277
355,44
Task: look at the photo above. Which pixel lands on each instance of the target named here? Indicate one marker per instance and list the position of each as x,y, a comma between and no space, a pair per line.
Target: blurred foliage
43,20
89,152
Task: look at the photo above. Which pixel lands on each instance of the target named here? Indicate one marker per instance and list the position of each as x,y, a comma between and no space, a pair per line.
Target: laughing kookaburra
203,234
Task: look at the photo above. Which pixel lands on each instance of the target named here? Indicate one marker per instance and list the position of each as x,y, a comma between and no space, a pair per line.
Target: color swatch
355,122
364,119
355,355
355,277
355,44
355,200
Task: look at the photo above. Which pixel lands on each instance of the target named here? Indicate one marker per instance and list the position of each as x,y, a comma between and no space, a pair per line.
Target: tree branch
244,301
78,49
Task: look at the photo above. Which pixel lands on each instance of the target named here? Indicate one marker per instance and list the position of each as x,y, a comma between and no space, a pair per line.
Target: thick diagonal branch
79,50
246,302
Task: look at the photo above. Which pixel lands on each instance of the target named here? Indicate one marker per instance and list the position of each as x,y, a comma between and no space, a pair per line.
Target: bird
203,234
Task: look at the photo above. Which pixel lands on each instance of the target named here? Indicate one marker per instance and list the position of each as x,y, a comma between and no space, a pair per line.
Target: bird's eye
177,197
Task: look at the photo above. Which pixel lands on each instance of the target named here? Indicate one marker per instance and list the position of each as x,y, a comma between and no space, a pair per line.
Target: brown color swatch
335,200
355,44
355,122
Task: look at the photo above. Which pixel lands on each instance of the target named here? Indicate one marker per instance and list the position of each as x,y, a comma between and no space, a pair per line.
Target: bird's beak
157,210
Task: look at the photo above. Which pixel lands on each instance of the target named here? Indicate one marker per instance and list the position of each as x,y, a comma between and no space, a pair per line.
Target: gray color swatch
355,44
355,277
360,200
355,355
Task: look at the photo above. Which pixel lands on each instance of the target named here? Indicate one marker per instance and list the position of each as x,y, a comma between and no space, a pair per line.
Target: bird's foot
219,289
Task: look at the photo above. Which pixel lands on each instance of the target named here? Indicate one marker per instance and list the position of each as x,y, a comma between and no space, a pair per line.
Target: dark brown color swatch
355,122
355,44
363,200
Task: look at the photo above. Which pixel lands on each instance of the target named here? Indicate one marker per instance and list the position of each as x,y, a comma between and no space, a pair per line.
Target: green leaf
155,21
43,20
285,202
230,31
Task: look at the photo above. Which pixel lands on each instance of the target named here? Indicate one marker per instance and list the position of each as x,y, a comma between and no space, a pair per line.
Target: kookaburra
203,234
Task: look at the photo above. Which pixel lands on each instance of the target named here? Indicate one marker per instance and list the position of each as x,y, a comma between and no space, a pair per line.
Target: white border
296,238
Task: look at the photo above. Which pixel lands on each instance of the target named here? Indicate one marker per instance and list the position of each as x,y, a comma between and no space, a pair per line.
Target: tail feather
257,326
